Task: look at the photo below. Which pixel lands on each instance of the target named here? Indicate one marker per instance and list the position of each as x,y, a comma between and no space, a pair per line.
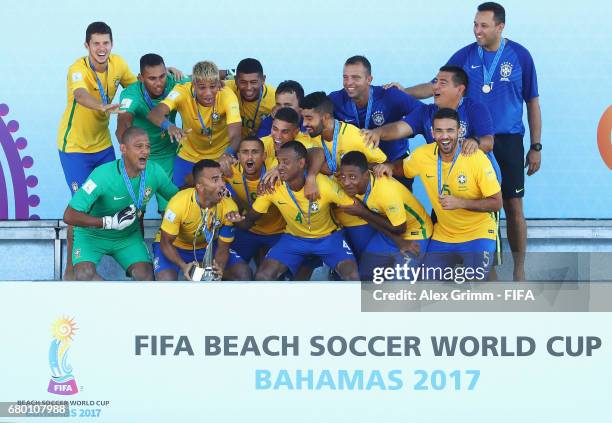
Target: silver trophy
204,271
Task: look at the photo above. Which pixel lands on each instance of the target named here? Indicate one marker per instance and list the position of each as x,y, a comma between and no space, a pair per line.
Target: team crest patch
215,117
126,103
461,179
378,118
148,192
77,76
314,207
74,186
462,130
505,71
170,215
77,253
173,95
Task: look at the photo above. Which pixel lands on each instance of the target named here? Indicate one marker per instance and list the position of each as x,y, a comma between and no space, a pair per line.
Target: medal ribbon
331,157
488,73
246,187
298,205
440,185
368,110
128,185
103,94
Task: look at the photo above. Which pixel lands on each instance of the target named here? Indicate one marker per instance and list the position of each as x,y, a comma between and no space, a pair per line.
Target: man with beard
189,224
211,119
107,208
137,100
464,193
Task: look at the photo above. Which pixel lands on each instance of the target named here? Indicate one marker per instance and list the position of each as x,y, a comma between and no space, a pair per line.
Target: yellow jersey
84,130
210,140
317,223
253,112
270,223
184,218
388,197
301,137
350,139
472,177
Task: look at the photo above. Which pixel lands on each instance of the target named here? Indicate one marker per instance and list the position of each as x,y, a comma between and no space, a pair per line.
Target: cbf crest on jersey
461,179
505,71
378,118
462,130
314,207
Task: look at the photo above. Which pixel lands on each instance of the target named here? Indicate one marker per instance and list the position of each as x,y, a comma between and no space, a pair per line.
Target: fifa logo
62,381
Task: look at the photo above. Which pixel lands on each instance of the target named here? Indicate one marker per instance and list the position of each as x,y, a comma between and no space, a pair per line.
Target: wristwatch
536,146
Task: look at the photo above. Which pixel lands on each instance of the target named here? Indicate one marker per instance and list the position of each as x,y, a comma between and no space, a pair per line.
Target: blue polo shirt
388,106
265,128
514,81
474,121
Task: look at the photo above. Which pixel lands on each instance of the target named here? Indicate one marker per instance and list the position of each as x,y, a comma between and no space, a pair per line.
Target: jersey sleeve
226,233
410,165
392,205
263,203
171,223
331,190
416,120
231,107
530,79
127,77
486,177
175,97
89,192
459,58
374,155
128,102
404,102
76,76
481,123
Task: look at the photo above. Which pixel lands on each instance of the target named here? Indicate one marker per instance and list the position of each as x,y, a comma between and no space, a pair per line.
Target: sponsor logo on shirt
169,215
126,103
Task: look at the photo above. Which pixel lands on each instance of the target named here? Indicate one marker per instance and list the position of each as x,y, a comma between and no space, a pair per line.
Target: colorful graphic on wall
14,184
604,137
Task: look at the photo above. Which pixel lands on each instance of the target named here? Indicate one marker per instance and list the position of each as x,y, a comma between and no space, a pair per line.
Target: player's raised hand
311,190
393,84
227,161
268,182
178,75
469,146
383,169
177,134
234,217
371,137
111,108
121,220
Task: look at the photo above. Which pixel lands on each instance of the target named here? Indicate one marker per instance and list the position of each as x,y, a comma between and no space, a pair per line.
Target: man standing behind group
368,106
502,75
154,84
257,99
288,94
83,138
211,121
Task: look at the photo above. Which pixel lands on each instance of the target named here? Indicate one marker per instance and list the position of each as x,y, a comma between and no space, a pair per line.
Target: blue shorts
247,244
476,254
182,168
382,251
291,250
78,166
358,237
161,262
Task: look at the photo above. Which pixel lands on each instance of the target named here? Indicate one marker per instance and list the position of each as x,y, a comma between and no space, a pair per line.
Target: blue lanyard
368,109
100,87
206,130
331,157
256,109
449,170
367,193
246,187
207,234
128,185
298,205
488,73
147,97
